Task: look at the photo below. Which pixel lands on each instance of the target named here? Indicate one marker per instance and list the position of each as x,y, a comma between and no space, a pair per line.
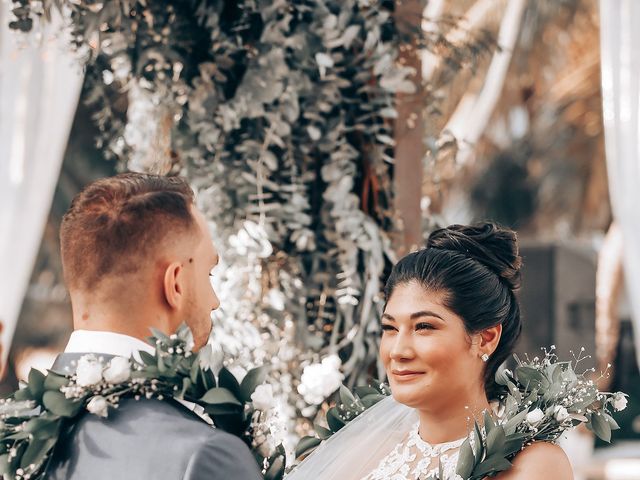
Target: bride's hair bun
493,246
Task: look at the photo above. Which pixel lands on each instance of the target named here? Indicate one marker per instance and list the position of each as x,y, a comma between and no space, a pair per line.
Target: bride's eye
387,328
424,326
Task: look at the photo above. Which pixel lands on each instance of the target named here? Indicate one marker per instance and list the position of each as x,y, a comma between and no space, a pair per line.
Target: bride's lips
405,375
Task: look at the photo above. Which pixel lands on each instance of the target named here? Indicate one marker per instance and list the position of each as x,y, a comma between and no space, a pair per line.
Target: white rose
262,397
619,402
89,371
332,361
118,371
560,413
535,416
98,405
319,380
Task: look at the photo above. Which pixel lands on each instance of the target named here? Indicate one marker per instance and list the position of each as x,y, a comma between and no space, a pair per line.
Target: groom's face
201,297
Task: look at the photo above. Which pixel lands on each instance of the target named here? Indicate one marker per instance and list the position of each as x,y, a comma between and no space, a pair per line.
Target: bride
451,318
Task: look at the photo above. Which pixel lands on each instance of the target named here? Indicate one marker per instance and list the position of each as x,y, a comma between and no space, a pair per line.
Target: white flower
98,405
319,380
89,371
560,413
262,397
619,402
118,371
238,371
535,416
210,358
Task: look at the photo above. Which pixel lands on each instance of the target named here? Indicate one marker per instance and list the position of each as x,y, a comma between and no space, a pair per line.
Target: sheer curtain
619,41
39,88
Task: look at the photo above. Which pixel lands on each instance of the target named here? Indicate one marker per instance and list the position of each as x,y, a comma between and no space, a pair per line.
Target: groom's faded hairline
114,224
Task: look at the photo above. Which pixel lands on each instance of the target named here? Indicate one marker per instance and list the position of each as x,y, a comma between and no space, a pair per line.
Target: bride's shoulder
539,460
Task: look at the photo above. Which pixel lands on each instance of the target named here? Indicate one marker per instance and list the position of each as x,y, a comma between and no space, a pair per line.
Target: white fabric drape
39,88
619,41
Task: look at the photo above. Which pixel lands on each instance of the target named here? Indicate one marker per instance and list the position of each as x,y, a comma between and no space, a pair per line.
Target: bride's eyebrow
425,313
415,315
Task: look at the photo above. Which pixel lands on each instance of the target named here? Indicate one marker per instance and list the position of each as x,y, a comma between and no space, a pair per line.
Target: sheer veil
357,448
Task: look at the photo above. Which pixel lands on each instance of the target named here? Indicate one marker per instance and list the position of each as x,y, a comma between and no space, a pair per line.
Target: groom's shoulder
150,439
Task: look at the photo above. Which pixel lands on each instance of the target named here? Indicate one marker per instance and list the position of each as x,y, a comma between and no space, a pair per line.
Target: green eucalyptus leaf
147,358
23,394
479,443
227,380
501,377
4,464
157,334
488,422
599,425
346,397
43,427
614,425
36,384
186,385
531,378
466,460
371,400
334,420
207,379
37,451
322,432
306,444
193,372
511,424
250,382
55,381
492,464
365,390
220,396
514,444
58,404
495,440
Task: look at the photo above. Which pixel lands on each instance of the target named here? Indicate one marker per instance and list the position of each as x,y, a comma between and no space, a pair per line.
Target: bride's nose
401,347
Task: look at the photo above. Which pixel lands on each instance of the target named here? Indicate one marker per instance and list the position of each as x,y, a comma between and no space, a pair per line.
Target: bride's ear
173,285
489,339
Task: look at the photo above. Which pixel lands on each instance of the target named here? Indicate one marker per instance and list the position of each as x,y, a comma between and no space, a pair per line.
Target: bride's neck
453,421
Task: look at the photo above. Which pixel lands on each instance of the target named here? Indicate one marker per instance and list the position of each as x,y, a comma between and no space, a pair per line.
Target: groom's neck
132,320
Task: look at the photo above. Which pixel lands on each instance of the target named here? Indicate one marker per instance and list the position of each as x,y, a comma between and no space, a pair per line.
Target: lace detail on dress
415,459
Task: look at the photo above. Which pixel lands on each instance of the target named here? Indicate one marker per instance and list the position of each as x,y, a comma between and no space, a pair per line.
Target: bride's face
428,356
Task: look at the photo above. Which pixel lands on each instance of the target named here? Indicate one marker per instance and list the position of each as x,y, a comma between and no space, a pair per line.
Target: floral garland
542,399
35,417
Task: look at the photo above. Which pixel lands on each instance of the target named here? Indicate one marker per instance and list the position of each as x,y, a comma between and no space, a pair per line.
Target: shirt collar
110,343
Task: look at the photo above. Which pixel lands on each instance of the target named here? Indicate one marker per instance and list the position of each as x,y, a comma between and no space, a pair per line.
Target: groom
137,254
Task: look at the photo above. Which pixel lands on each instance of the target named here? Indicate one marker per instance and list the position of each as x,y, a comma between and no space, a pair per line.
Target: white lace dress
415,459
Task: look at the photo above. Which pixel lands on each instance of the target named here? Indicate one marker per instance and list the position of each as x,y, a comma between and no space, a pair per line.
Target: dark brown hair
115,222
478,269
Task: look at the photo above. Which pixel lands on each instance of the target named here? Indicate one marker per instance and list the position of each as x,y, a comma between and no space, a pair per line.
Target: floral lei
542,399
34,418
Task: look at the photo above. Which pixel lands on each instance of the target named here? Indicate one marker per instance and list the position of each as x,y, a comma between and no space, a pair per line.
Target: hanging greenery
281,113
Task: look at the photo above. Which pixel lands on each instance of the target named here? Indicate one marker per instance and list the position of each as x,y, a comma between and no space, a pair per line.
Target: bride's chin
410,396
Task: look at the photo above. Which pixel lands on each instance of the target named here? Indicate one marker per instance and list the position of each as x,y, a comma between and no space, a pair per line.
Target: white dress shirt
111,343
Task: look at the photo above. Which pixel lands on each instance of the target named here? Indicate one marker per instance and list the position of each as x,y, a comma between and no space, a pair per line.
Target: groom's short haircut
115,223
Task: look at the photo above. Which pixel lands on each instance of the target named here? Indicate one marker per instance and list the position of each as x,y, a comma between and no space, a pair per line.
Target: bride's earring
485,357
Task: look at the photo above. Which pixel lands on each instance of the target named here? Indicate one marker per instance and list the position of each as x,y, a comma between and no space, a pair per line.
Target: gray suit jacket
148,439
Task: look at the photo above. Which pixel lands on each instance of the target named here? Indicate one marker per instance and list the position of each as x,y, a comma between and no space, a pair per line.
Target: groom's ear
173,285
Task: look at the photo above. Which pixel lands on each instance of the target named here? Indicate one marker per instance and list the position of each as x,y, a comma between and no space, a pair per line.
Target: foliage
48,406
281,113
